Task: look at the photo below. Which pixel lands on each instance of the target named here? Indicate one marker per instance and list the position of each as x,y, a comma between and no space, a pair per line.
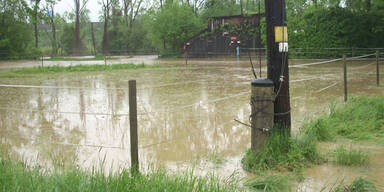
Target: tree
106,8
50,18
35,20
174,24
16,40
79,8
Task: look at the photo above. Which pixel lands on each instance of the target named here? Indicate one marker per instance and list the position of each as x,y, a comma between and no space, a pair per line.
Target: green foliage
67,38
217,8
361,118
16,176
358,185
283,152
16,39
326,24
174,24
350,157
98,57
58,69
270,183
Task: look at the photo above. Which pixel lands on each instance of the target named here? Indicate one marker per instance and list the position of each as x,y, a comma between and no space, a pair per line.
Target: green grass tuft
350,157
361,118
270,183
358,185
95,58
16,176
76,68
282,152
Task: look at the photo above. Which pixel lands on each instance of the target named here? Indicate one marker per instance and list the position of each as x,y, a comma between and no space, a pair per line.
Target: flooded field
185,115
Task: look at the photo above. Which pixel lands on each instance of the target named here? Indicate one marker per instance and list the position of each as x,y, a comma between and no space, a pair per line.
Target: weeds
350,157
282,152
56,69
95,58
358,185
270,183
15,176
359,119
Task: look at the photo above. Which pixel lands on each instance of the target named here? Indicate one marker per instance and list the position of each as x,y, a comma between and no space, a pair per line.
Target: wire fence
173,109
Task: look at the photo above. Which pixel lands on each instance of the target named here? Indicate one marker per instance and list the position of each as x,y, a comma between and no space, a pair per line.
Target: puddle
185,115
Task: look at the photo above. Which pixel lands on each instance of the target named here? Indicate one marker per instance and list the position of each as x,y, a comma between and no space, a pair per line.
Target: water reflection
184,113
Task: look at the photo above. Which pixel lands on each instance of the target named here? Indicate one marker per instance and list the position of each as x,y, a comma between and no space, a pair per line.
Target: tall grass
358,185
270,183
361,118
95,58
57,69
282,152
350,157
16,176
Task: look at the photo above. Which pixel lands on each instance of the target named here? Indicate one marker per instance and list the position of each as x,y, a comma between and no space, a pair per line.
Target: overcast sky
68,5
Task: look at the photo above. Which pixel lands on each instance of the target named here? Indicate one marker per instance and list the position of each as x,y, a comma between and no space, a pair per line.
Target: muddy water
185,115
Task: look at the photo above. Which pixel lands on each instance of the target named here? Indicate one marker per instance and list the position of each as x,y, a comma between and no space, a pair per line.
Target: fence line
315,63
330,61
124,148
327,87
110,114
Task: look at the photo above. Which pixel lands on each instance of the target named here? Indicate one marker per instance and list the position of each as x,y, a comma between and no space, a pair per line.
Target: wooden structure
223,35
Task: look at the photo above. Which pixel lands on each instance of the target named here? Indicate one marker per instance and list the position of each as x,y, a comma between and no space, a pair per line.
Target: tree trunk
93,40
54,42
77,44
35,23
105,37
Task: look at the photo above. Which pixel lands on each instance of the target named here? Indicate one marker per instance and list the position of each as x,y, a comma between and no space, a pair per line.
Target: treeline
140,26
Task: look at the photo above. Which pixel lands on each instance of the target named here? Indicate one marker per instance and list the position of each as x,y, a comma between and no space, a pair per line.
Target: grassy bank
282,152
95,58
360,119
75,68
16,176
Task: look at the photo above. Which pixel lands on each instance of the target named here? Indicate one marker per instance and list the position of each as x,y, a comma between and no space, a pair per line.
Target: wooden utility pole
377,68
345,78
133,125
277,62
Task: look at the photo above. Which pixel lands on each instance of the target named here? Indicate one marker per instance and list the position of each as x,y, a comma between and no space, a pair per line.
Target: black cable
259,41
253,69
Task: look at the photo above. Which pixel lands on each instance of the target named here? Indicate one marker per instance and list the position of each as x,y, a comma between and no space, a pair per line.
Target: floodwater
185,115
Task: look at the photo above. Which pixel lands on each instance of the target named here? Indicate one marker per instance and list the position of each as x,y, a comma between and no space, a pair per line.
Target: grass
95,58
16,176
282,152
350,157
358,185
361,118
270,183
75,68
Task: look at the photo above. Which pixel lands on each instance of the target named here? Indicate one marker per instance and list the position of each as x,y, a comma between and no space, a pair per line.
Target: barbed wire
330,61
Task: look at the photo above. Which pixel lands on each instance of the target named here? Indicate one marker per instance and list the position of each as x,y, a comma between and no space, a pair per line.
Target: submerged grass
358,185
282,152
270,183
16,176
361,118
95,58
75,68
350,157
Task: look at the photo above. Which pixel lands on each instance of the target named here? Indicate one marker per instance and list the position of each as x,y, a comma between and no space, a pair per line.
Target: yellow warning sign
281,34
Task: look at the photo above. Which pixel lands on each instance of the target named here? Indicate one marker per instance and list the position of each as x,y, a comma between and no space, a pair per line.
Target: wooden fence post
133,125
345,78
377,68
262,112
42,61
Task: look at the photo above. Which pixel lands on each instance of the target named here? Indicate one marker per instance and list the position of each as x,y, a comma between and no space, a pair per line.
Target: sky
68,5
